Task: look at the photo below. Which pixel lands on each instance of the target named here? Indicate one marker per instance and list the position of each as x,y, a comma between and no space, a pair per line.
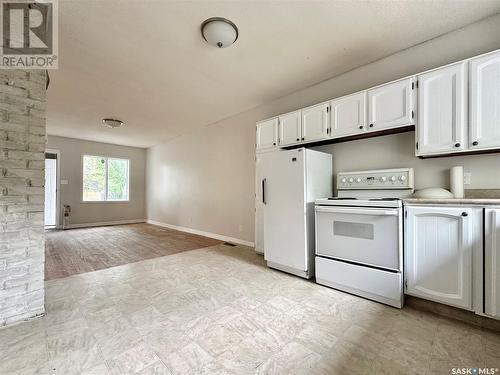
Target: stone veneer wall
22,164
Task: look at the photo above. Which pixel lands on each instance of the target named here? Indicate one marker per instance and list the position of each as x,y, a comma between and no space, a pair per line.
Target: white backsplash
398,150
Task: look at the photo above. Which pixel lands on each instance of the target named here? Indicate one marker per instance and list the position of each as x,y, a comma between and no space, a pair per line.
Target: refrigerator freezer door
284,212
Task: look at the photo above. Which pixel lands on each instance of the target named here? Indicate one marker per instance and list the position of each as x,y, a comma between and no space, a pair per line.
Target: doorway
51,189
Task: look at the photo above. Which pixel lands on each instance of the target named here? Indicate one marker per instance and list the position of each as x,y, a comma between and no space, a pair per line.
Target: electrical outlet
467,177
240,228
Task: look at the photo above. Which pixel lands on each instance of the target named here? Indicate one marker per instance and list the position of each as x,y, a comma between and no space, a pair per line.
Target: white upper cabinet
315,122
492,263
348,115
485,102
438,259
458,110
442,110
267,134
290,128
391,105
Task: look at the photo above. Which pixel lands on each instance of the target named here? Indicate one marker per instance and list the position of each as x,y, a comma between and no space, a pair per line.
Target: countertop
456,201
481,197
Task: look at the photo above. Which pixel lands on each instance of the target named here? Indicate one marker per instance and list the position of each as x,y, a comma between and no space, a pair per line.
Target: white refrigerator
287,184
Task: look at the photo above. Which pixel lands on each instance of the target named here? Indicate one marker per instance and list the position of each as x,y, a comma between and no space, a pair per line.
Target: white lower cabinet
492,262
439,253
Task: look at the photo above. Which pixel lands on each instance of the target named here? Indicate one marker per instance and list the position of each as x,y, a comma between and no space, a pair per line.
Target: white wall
397,150
205,180
71,169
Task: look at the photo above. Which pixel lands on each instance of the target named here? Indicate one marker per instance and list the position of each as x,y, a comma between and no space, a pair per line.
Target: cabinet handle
274,143
298,139
475,143
361,126
303,138
457,144
371,125
464,214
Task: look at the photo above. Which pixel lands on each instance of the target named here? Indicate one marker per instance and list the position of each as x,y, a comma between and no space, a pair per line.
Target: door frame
58,185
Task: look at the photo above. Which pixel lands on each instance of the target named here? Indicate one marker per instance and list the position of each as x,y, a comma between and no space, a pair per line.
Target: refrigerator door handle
264,191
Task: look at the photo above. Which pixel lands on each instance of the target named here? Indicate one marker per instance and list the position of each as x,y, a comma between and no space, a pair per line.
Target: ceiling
145,62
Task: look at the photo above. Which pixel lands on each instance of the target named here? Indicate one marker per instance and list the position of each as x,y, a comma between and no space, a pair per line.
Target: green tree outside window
105,179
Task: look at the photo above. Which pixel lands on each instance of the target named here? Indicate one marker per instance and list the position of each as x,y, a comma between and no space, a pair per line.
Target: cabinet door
485,102
438,259
290,128
442,110
391,105
348,115
267,134
492,263
315,122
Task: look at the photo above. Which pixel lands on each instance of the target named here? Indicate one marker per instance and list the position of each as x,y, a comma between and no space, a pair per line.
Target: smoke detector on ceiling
112,123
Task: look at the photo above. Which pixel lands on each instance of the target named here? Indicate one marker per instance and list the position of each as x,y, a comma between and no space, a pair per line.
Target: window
105,179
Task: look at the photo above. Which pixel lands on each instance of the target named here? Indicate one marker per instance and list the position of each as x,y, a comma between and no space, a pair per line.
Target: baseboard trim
104,223
202,233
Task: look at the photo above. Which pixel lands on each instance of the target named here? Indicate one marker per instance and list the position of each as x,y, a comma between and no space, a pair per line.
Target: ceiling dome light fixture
112,123
219,32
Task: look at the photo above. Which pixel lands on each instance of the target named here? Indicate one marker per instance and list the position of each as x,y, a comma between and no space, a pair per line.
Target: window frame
106,200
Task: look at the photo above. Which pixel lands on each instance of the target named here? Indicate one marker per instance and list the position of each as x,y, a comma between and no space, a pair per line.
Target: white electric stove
359,234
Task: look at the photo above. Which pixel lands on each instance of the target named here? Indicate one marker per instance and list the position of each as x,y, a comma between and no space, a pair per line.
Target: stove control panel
400,178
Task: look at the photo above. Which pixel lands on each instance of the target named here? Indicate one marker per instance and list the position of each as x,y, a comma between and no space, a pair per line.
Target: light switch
64,182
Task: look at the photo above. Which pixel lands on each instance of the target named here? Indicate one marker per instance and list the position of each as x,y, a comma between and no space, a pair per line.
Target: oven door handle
358,211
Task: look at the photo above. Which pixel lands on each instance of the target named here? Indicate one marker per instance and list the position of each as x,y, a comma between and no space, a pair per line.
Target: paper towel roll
457,181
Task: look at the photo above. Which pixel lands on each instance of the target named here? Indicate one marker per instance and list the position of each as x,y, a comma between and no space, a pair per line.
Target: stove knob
402,178
344,180
351,180
393,178
383,179
358,180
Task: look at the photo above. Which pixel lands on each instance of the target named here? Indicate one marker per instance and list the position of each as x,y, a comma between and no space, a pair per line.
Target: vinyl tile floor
219,310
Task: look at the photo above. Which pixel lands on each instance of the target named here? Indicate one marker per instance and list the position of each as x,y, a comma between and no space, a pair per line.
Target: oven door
370,236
